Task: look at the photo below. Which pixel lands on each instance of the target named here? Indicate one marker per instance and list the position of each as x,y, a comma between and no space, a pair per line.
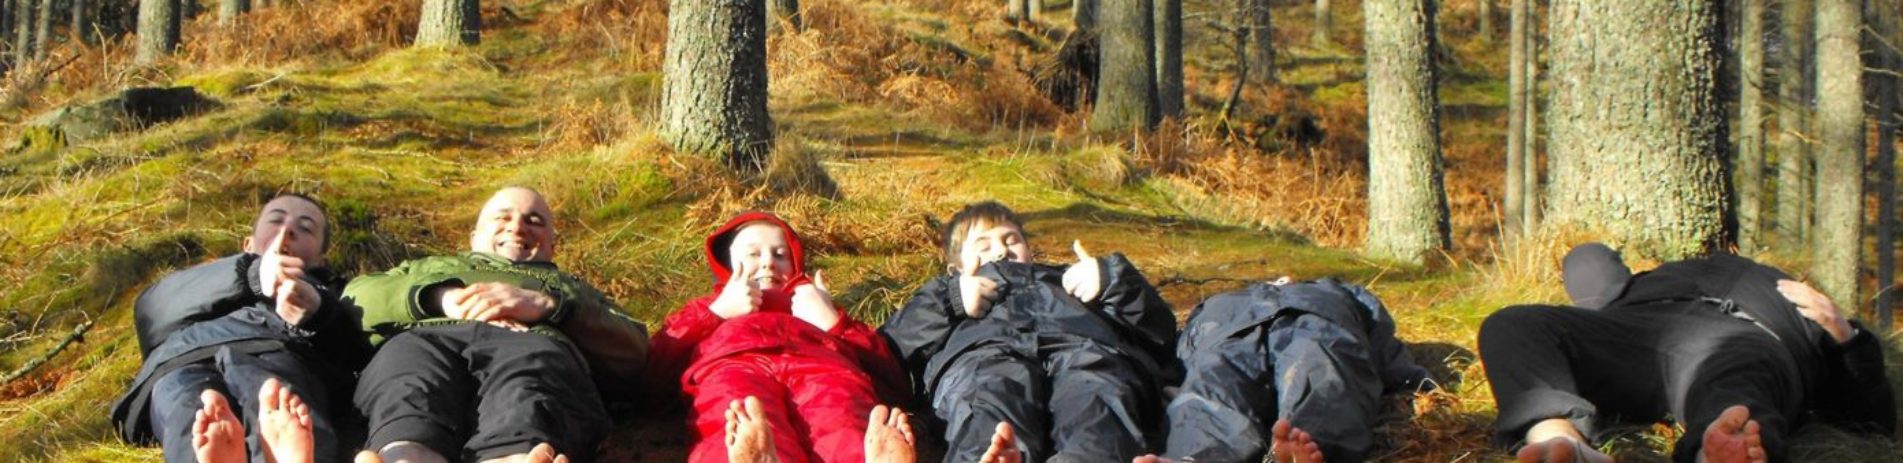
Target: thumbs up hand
813,302
976,291
1084,279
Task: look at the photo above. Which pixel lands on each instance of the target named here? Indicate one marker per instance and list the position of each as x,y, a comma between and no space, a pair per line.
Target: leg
531,389
1328,387
1546,363
1225,401
717,385
831,399
1099,402
985,387
175,406
417,394
1724,363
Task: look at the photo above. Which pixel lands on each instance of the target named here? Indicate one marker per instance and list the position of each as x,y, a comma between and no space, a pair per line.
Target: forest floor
889,114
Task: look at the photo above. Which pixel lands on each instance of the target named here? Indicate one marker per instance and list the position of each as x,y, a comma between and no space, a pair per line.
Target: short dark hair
321,209
986,212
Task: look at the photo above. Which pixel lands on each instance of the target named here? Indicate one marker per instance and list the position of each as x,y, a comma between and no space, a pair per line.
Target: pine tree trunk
1530,154
1324,20
158,31
1262,46
1126,86
1033,9
784,14
714,99
6,36
23,31
43,31
1407,206
1513,203
1486,20
1748,168
451,23
1083,14
1885,20
229,10
1840,132
82,22
1013,11
1638,141
1169,59
1794,95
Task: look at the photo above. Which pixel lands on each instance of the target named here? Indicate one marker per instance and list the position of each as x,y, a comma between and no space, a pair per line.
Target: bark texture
158,31
1126,89
1839,227
1794,95
1407,204
450,23
1748,166
1637,129
714,97
1169,58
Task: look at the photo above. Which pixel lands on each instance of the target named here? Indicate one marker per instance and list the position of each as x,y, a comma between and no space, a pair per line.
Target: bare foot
1152,459
889,437
544,453
1733,438
284,424
749,436
217,435
368,457
1289,444
1004,447
1561,449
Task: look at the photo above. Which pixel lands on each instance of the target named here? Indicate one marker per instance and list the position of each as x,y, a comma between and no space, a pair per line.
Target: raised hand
739,297
1814,305
1084,279
813,302
976,291
280,277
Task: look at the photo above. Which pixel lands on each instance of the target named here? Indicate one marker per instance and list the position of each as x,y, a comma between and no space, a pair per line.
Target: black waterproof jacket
187,316
932,329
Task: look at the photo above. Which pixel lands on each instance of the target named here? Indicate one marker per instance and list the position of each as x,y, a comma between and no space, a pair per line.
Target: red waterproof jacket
694,336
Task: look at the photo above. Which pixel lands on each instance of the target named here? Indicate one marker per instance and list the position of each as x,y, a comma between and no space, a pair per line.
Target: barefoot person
1027,362
768,355
217,331
489,353
1292,369
283,428
1736,351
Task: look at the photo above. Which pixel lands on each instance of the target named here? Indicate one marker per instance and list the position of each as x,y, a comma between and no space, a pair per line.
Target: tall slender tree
1126,85
1840,130
1514,201
158,31
1748,166
1530,161
43,29
1638,130
714,90
1885,18
1169,58
1484,10
1324,20
1794,102
453,23
1261,47
229,10
1407,205
82,27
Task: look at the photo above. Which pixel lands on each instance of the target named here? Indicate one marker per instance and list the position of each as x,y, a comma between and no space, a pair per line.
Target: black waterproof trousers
1068,399
175,400
1321,376
474,392
1638,364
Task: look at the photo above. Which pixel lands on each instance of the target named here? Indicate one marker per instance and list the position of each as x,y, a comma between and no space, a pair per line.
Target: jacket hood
722,237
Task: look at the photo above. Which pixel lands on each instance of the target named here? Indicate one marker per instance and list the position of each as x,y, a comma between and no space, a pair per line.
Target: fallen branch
78,332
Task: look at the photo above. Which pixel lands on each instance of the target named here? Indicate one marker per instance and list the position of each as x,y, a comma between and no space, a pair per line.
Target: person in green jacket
487,354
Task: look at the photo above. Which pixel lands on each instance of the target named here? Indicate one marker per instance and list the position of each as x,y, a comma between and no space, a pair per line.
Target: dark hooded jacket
188,315
1234,314
694,335
1129,316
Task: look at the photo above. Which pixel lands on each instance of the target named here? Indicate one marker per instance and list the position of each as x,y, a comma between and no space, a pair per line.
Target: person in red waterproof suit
771,369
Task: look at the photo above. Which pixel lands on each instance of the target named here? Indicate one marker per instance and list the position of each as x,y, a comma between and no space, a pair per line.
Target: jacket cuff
248,277
420,300
563,307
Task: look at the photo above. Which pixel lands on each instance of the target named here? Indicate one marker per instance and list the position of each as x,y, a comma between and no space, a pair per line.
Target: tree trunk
1885,20
1794,95
1407,206
1083,14
229,10
1262,47
453,23
1840,133
1324,19
714,99
1530,154
785,14
43,31
1126,86
1014,10
1513,204
23,31
1033,9
187,9
82,22
1240,35
6,36
1748,168
158,31
1169,59
1485,13
1638,148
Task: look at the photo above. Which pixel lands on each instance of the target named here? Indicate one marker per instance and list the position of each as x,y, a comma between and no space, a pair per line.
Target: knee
1516,322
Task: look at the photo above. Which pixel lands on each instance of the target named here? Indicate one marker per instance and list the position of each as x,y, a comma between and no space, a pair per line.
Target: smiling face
303,224
516,224
761,246
986,242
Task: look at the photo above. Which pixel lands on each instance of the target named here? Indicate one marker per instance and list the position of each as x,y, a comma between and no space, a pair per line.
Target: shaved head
516,224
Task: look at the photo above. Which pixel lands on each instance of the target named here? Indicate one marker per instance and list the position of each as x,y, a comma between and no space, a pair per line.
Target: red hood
717,248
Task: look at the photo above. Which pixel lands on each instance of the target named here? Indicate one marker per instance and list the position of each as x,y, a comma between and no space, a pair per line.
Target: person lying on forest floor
1029,362
1737,352
1291,370
768,351
490,353
219,330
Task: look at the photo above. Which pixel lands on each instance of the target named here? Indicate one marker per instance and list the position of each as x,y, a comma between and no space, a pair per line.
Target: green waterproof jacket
613,344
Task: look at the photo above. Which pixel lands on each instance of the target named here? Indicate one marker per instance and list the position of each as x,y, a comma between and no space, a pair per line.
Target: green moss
225,84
